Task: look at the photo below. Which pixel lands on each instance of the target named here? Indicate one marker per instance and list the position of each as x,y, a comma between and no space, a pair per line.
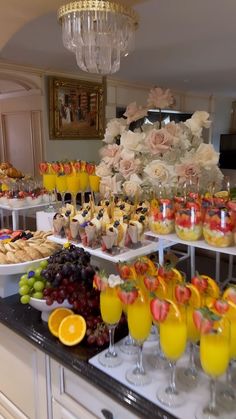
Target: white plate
45,309
19,268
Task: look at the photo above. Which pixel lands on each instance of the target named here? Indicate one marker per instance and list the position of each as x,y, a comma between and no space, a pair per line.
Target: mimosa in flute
227,308
49,181
139,323
173,339
214,354
188,295
111,310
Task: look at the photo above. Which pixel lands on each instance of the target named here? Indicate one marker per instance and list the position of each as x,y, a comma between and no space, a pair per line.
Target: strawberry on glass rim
100,281
182,293
221,306
204,319
159,309
151,282
126,271
67,168
43,167
56,167
200,282
127,292
141,265
90,168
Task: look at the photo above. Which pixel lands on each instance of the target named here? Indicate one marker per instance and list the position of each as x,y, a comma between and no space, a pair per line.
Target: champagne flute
214,356
111,310
173,339
49,183
139,323
61,186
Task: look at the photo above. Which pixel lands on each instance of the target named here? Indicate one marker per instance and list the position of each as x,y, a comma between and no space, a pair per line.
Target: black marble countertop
27,323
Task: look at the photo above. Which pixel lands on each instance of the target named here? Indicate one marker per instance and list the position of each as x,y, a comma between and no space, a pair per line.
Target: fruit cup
161,219
188,222
218,227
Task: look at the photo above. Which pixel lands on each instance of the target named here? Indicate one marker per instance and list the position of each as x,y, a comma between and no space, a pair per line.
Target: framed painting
76,109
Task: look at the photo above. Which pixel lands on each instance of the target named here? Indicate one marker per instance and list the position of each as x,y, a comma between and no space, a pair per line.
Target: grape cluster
32,283
97,332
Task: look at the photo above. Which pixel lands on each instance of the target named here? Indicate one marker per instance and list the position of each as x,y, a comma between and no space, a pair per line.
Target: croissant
5,165
14,173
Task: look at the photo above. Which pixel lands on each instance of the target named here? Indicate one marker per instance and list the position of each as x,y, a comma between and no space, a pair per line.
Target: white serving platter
19,268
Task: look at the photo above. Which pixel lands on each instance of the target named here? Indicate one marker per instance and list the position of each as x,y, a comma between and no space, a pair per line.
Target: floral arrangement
151,155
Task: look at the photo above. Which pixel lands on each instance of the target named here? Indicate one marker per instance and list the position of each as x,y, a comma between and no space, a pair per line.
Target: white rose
133,141
206,156
132,186
114,128
199,120
103,170
114,280
159,171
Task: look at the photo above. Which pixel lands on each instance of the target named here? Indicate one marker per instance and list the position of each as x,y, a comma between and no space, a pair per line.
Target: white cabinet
83,399
22,378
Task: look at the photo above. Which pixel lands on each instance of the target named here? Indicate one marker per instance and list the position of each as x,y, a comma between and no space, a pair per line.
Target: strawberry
204,319
231,295
199,282
151,283
182,293
56,167
124,270
99,281
159,309
127,292
67,168
232,205
77,165
221,306
141,266
43,167
90,168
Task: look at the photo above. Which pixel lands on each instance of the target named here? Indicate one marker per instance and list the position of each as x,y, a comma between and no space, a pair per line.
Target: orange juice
173,337
49,182
110,306
231,316
139,320
73,183
84,180
214,353
193,334
94,182
61,183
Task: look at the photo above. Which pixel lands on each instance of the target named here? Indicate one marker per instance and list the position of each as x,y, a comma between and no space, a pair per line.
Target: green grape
25,299
24,290
23,282
39,286
38,295
37,272
43,264
31,281
23,277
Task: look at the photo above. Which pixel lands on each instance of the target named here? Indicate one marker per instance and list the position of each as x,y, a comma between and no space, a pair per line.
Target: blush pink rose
158,141
187,170
134,112
111,154
129,167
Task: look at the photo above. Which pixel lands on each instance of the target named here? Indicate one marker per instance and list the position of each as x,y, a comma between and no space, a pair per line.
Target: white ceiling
181,44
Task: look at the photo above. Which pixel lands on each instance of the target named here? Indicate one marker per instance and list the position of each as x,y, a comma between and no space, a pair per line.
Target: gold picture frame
76,109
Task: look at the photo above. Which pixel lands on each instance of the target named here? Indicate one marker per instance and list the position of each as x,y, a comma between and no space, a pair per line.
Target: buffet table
60,375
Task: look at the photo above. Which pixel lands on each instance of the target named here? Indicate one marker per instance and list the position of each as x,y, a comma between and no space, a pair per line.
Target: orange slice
212,289
72,330
161,291
56,318
175,308
195,299
177,275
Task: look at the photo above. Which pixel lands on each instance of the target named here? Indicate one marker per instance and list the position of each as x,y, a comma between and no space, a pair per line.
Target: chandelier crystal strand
98,32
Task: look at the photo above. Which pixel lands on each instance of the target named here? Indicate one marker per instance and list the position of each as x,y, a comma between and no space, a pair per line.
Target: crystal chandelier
99,32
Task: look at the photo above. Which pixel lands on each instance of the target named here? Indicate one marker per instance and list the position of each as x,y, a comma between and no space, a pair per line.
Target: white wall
118,94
